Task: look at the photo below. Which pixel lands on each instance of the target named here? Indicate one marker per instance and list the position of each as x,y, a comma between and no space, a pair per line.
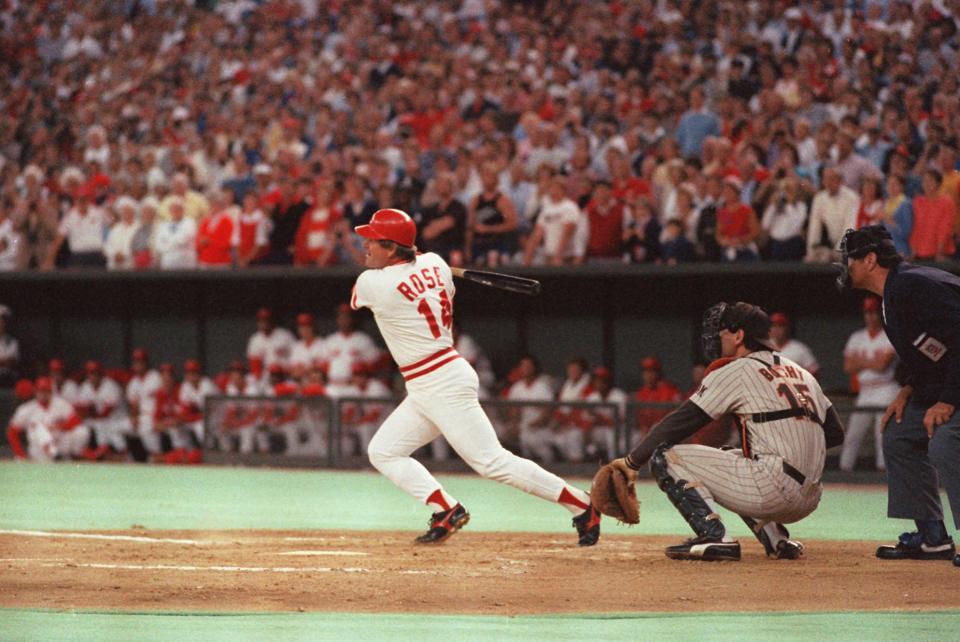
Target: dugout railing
322,431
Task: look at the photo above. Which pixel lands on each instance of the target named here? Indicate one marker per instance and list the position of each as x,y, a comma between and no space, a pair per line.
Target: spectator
176,239
356,207
654,390
898,214
36,224
737,226
607,221
675,247
142,243
10,242
784,222
834,211
705,232
641,238
950,186
195,204
215,233
9,351
871,360
82,230
793,349
560,235
118,248
491,222
316,240
443,224
851,166
933,215
250,231
696,124
63,386
285,221
871,203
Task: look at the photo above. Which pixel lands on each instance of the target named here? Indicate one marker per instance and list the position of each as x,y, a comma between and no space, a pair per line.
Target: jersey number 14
446,314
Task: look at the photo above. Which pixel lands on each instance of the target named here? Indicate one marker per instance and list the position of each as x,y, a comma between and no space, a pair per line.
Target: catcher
786,425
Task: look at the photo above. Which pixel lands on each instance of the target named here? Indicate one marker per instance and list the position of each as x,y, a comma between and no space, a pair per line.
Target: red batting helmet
389,225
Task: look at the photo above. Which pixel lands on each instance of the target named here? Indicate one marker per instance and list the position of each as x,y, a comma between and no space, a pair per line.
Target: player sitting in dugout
786,421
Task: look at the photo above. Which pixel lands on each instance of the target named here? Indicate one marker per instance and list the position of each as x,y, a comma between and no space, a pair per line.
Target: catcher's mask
856,244
735,316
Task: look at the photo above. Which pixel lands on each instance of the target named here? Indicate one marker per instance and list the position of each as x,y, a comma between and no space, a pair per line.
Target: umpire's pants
916,465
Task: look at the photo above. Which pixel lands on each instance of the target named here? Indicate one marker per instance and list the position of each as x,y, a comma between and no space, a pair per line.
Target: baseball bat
500,281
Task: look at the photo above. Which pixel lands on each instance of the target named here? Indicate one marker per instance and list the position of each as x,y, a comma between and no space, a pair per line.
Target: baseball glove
614,493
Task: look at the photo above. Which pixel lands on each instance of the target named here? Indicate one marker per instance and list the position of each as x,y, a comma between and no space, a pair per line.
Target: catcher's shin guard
688,501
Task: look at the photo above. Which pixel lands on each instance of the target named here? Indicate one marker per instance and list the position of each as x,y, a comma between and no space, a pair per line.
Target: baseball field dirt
472,573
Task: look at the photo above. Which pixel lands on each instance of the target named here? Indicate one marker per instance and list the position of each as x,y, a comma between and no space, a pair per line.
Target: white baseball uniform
306,356
761,481
568,435
364,418
193,399
68,390
342,351
801,354
535,440
108,414
877,388
46,427
273,348
412,303
142,387
602,434
241,417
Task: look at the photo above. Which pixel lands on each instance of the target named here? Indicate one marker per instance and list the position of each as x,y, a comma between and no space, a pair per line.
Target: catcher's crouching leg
686,497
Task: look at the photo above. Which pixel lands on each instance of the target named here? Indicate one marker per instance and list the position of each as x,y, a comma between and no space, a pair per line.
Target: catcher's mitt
613,493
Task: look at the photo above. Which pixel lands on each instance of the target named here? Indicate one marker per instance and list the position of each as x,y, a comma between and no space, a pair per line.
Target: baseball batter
411,297
786,423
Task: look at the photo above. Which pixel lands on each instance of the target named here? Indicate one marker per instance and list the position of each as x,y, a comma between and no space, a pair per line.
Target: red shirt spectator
215,239
932,235
315,242
655,389
606,224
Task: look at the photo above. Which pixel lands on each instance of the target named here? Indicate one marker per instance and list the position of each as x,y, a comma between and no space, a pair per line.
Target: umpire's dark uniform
921,315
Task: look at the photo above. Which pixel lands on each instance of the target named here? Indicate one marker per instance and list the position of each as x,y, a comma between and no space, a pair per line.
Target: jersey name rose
418,283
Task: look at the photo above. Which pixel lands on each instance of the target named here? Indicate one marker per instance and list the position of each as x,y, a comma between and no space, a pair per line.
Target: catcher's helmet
735,316
390,225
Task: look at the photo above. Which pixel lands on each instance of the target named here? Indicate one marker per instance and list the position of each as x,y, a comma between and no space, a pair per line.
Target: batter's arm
674,428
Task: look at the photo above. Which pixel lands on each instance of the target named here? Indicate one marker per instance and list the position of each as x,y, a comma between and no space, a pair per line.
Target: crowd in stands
177,135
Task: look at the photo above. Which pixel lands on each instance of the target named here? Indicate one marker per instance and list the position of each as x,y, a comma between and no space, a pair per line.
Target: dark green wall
614,314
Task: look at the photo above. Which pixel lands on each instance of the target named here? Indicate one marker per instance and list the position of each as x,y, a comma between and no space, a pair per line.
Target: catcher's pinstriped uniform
786,425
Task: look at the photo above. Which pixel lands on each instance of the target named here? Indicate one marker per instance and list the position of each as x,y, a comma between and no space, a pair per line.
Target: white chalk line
100,536
322,553
48,563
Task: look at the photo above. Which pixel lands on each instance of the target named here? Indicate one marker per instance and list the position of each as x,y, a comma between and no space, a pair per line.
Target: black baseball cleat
444,524
587,524
784,549
788,549
911,546
705,549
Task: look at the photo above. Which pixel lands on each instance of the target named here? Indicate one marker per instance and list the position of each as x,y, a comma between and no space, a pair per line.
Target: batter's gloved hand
614,492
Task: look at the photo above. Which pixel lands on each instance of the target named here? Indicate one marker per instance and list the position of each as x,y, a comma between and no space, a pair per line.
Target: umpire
921,315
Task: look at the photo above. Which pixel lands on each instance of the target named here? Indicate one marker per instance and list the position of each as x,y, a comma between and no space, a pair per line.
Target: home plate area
475,573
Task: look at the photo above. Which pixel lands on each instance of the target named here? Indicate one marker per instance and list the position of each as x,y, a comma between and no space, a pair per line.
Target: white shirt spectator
836,213
84,232
537,390
799,353
877,387
786,222
106,396
344,350
554,217
307,356
9,245
176,244
143,387
117,246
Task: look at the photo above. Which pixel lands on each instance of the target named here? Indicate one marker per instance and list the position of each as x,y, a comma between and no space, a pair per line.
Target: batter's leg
405,430
470,433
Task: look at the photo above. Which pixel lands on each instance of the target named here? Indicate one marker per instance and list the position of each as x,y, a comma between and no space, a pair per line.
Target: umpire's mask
856,244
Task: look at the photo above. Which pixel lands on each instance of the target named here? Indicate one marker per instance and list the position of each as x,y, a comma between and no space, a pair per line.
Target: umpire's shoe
587,524
912,547
444,524
706,549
